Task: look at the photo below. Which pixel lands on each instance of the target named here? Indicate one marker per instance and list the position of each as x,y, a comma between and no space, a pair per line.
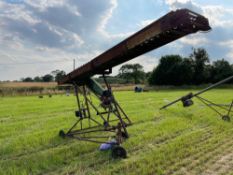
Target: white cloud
189,4
44,4
230,56
148,62
45,30
36,31
105,17
228,44
146,22
171,2
104,21
21,21
218,15
17,12
14,67
197,40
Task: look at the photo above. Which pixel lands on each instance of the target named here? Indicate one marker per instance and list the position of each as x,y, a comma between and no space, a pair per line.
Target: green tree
125,72
221,69
37,79
27,79
58,74
132,72
47,78
200,58
148,74
186,72
175,70
172,70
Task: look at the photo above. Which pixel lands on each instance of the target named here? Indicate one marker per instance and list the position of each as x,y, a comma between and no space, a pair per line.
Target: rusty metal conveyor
111,118
168,28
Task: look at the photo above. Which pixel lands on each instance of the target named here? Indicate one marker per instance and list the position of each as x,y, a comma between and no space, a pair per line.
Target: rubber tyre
62,134
226,118
124,135
118,152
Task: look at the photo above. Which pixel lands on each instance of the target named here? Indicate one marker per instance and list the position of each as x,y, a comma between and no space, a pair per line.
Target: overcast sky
58,31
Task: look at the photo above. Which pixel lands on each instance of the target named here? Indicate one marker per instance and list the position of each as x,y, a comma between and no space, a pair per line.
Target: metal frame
187,101
102,122
214,106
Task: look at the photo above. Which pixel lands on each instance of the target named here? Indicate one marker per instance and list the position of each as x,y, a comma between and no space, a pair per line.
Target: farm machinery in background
218,108
97,125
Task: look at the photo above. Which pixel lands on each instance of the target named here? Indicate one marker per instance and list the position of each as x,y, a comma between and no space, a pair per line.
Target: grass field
174,141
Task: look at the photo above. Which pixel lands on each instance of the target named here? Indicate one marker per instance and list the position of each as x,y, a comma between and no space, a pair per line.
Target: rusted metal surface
168,28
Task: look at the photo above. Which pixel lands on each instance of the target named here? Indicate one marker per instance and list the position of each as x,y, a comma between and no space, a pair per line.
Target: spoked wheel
118,152
62,134
226,118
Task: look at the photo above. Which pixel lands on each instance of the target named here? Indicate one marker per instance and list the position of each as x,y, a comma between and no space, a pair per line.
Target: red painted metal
168,28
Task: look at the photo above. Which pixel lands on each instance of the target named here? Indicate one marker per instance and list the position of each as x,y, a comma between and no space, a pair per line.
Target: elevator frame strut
102,121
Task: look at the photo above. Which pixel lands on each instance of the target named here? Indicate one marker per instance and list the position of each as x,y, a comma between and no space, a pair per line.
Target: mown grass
172,141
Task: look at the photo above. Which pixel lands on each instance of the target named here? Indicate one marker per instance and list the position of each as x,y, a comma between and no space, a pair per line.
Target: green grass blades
177,140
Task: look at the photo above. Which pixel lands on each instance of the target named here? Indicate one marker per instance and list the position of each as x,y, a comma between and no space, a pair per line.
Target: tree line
176,70
55,75
193,70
